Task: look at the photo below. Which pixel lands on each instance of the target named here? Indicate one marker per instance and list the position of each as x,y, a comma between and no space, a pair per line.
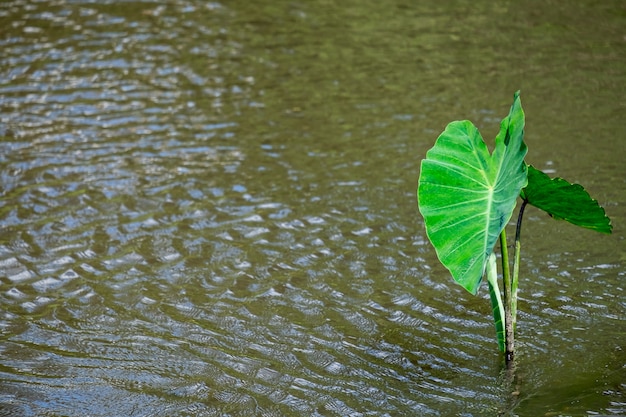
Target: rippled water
208,208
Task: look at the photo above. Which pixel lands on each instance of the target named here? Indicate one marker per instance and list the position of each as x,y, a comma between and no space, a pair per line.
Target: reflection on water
208,209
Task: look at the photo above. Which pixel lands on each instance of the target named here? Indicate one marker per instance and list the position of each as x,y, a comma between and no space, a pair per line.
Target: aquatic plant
467,196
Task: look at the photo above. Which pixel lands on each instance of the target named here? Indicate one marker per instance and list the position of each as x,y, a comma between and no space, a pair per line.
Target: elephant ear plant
467,196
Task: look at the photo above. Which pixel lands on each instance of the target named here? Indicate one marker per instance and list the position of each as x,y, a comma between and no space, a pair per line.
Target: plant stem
497,307
518,247
509,335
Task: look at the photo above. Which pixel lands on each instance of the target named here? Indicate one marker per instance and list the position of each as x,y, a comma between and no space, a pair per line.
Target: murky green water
208,208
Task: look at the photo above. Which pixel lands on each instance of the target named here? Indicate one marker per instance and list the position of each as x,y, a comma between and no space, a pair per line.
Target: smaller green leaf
496,300
565,201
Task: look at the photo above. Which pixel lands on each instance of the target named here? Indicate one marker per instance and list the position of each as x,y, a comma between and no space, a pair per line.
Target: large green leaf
566,201
467,195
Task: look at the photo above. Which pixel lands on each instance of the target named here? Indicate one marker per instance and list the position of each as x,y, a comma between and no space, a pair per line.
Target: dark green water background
208,208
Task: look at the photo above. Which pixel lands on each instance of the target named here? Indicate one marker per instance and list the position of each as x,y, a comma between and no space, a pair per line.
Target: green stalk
514,282
497,308
518,247
508,318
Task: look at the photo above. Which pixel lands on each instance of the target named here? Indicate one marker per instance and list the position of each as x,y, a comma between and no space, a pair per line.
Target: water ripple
168,247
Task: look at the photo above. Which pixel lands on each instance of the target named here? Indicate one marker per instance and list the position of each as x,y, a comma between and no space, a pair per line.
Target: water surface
208,208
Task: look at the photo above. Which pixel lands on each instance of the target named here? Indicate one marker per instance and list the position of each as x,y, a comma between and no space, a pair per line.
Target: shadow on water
209,208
